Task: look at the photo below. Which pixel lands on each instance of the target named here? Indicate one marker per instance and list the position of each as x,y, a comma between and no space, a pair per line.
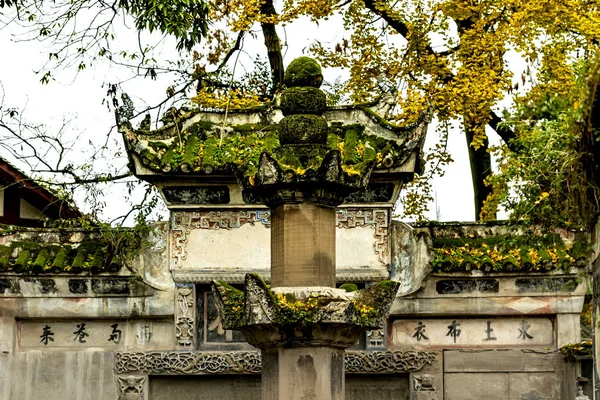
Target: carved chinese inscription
109,334
473,332
47,335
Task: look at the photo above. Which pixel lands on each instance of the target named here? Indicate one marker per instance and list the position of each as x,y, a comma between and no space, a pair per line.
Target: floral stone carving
249,362
303,316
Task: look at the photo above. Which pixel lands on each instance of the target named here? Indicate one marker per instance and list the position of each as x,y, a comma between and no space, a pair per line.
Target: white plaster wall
354,248
247,247
70,375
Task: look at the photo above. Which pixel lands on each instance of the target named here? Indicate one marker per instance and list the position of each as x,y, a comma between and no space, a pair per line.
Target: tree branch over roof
399,26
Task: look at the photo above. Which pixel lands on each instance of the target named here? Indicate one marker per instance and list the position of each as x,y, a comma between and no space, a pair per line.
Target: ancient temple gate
472,318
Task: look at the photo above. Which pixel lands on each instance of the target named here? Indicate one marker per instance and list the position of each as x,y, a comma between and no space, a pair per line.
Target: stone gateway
282,274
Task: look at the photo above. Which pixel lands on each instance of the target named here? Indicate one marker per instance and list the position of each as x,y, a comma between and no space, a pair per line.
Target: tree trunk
481,168
273,46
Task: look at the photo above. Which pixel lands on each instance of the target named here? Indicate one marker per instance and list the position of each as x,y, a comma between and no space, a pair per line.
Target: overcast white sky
80,98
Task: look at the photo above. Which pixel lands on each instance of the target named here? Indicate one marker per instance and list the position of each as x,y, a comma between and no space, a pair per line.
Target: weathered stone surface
535,386
387,387
545,285
303,246
480,305
504,374
369,363
568,328
476,386
205,388
501,360
464,286
410,263
82,375
309,372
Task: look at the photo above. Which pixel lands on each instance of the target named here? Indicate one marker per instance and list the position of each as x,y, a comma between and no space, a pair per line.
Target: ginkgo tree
488,65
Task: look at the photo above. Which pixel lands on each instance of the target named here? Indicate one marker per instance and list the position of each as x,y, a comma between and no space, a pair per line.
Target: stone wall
152,331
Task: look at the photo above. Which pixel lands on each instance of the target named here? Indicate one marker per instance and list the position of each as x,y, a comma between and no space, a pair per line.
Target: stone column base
303,373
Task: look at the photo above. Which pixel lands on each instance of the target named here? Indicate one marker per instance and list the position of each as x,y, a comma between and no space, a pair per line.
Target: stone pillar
302,324
302,245
306,373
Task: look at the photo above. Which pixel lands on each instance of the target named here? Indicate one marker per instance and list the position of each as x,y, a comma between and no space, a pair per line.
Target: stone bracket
132,387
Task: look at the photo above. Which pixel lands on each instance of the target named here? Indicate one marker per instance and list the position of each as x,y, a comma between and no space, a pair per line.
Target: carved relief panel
185,313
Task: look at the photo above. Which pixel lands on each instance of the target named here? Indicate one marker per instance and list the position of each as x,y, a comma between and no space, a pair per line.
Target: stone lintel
303,245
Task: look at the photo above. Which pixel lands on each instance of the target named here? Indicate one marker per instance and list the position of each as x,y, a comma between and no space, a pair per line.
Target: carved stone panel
249,362
131,387
376,339
185,316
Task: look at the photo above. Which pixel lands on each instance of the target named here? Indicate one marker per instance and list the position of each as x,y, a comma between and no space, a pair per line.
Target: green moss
40,262
199,129
233,303
303,100
303,129
79,258
158,145
349,287
59,261
97,261
191,151
573,352
303,71
21,263
5,252
203,149
507,253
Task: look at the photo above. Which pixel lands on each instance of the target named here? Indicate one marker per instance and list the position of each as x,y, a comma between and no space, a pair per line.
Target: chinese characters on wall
54,334
80,334
474,332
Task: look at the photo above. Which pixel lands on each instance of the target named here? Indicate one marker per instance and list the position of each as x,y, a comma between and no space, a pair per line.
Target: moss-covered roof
32,251
36,258
199,143
509,253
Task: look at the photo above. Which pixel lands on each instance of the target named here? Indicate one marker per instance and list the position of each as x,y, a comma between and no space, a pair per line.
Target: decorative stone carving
423,383
387,362
249,362
131,387
240,362
377,218
376,339
185,320
183,222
